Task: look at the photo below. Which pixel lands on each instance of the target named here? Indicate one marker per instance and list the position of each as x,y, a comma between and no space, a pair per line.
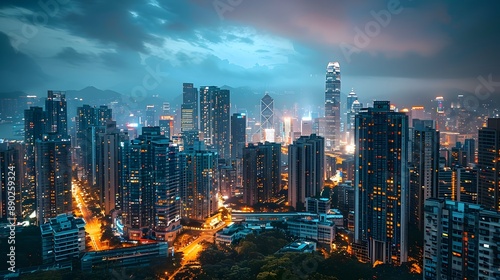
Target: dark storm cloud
18,71
261,40
70,55
110,22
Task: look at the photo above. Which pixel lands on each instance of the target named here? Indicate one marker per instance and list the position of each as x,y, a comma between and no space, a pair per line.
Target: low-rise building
300,246
124,257
322,231
232,233
63,238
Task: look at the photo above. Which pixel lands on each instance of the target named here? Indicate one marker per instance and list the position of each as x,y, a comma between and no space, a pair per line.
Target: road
191,251
93,225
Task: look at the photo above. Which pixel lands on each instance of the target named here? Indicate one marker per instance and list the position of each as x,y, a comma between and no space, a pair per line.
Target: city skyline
208,135
234,43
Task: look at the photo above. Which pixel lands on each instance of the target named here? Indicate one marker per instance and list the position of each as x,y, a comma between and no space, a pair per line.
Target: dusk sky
425,47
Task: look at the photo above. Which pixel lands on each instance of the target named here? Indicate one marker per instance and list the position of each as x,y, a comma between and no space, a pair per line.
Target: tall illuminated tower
332,106
266,115
381,183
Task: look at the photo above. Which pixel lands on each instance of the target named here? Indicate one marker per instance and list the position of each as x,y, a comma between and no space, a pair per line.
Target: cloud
18,71
70,55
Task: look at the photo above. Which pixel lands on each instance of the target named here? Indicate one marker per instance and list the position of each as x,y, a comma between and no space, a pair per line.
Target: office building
424,168
317,229
261,172
189,108
266,115
332,106
306,160
150,116
215,108
238,135
166,124
460,241
63,238
53,176
381,183
318,205
488,164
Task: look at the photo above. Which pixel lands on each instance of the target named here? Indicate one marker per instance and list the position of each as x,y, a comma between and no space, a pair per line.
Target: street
93,225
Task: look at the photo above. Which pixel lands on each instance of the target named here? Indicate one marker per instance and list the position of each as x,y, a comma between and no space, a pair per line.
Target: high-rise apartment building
424,168
150,198
488,163
332,106
306,161
53,176
460,241
56,113
34,128
110,154
90,121
198,185
381,183
261,172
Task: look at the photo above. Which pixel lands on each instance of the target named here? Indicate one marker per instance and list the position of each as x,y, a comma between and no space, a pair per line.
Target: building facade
306,160
381,183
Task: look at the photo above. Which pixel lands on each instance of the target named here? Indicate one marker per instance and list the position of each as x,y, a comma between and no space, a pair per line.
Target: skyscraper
221,123
151,196
90,121
424,168
261,172
332,106
306,160
189,116
198,189
34,128
266,114
238,134
150,118
489,165
53,176
56,113
166,124
215,105
207,103
381,183
109,163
